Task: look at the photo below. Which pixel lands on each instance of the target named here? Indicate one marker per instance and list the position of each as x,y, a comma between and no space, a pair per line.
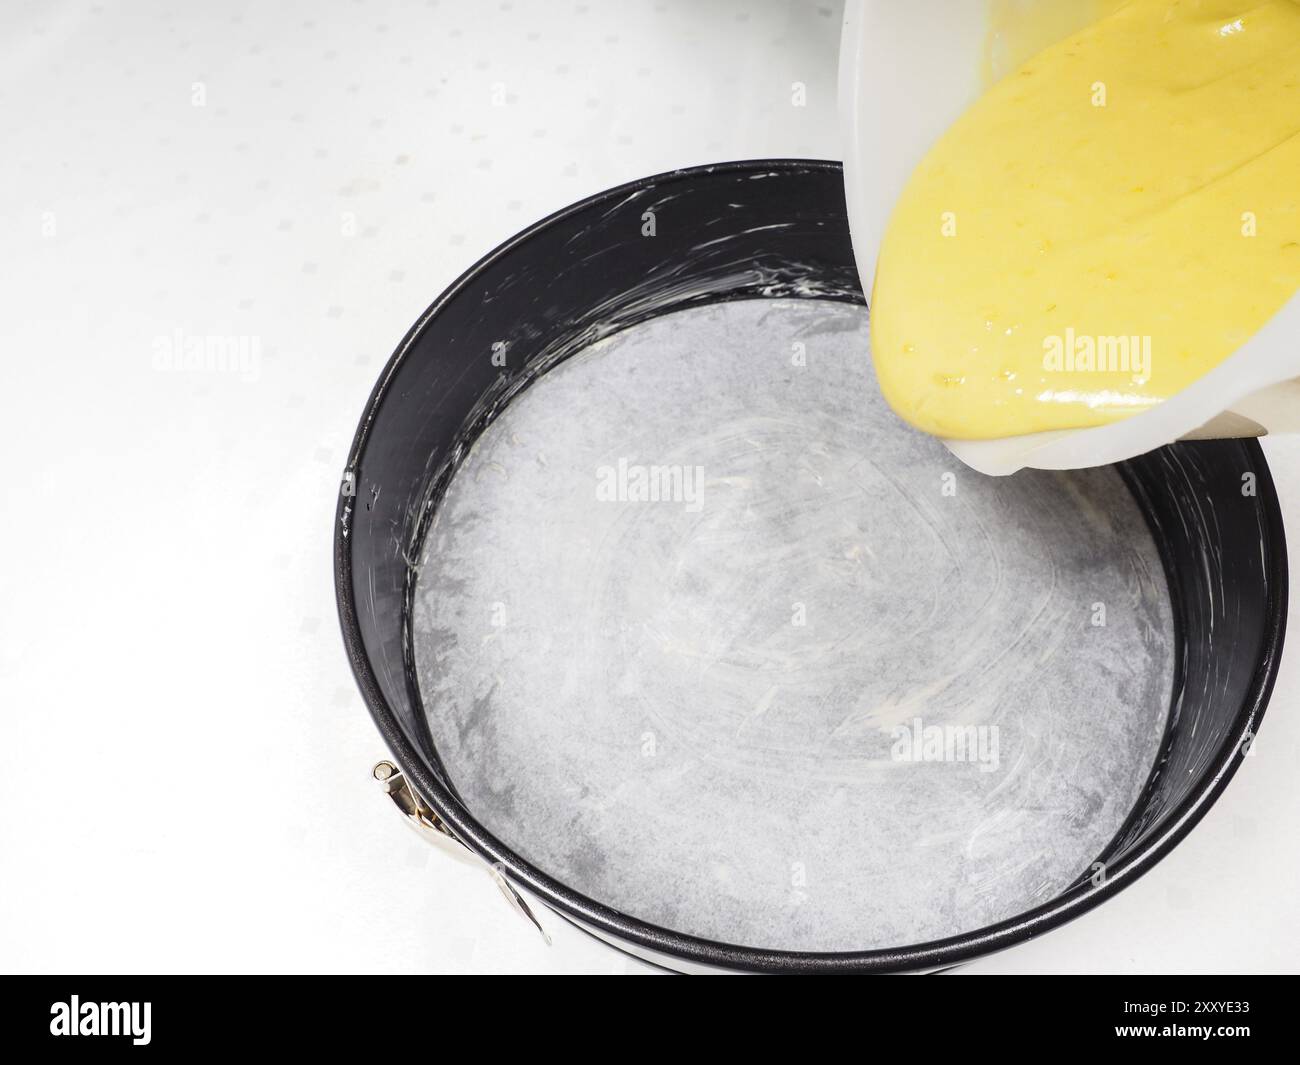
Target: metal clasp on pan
417,813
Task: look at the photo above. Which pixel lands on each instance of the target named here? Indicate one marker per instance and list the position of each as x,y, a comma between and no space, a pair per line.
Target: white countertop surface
184,758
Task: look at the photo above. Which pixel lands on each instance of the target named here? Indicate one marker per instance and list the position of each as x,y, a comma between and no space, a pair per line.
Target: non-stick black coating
755,230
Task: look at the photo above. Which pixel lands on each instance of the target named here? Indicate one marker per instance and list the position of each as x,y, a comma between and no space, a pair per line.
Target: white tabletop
184,758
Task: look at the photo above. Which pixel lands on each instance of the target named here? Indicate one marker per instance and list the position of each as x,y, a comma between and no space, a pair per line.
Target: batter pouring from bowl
1105,226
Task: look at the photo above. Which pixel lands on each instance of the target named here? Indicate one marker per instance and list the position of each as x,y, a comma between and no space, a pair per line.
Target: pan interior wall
705,632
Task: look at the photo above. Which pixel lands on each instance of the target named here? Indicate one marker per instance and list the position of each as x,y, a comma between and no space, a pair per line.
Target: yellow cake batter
1108,223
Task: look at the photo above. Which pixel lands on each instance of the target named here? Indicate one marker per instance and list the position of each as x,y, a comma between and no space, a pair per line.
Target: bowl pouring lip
624,930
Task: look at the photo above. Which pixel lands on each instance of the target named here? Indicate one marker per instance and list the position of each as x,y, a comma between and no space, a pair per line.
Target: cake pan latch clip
417,813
